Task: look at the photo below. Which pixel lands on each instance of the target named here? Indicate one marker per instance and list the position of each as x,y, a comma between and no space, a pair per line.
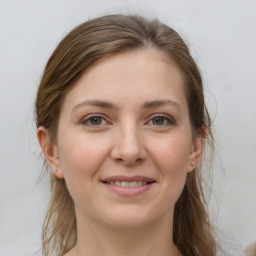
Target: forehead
140,75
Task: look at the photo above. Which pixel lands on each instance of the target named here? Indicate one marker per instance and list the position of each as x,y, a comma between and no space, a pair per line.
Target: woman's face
124,142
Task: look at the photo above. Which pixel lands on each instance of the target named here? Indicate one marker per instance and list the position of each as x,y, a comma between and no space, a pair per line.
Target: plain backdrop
222,38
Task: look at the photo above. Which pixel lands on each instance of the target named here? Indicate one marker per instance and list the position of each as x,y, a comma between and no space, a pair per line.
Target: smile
127,184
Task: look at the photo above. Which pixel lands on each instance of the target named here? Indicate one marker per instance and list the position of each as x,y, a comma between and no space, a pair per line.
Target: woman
122,124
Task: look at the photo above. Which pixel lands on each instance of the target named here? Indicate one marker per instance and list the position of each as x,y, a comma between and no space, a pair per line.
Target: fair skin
128,117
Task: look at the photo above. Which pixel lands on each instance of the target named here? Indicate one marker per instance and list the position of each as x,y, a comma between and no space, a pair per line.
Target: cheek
79,152
80,159
172,160
172,154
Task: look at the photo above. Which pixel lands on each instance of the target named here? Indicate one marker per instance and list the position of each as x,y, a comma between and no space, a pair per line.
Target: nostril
128,151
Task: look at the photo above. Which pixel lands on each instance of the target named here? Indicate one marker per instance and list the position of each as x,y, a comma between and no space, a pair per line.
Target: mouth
127,184
130,186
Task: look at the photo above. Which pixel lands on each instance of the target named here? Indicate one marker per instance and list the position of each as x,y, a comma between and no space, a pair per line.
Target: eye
161,120
94,121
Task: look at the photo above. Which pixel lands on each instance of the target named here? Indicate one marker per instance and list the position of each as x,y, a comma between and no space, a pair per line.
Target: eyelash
90,118
170,121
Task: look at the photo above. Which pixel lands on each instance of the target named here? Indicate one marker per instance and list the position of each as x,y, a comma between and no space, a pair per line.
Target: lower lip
127,191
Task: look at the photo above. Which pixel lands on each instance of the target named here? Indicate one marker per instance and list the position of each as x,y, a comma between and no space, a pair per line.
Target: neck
150,240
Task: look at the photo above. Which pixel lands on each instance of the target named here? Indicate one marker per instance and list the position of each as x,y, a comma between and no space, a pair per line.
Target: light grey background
222,37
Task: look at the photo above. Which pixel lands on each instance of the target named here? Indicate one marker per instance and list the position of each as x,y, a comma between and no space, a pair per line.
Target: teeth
127,184
139,183
117,183
133,184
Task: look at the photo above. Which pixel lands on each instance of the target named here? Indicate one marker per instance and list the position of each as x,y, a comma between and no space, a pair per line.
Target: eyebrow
159,103
97,103
146,105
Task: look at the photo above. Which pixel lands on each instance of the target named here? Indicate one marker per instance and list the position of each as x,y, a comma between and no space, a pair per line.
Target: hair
85,46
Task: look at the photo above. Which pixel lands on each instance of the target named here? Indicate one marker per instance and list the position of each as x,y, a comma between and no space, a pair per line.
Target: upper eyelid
167,116
162,115
88,117
94,115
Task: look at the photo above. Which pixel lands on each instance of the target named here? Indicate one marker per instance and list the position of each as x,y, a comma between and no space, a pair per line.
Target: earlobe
50,151
196,153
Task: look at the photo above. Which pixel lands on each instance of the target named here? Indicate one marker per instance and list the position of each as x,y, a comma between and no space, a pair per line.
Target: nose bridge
129,144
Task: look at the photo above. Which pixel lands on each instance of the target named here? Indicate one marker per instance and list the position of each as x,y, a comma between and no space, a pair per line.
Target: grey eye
96,120
161,121
158,120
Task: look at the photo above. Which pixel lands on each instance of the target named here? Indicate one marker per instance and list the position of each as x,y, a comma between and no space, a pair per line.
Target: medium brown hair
84,47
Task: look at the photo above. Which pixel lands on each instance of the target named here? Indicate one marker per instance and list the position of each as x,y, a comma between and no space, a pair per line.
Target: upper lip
127,178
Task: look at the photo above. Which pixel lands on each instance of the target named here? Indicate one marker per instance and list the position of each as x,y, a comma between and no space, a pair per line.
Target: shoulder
251,249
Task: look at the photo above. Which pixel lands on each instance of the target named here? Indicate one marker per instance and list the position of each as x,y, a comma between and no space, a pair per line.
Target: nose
128,146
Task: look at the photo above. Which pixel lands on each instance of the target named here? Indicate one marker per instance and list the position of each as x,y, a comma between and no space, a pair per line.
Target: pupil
96,120
158,120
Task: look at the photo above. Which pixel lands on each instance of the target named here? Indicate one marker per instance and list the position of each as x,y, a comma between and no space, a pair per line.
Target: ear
50,150
196,153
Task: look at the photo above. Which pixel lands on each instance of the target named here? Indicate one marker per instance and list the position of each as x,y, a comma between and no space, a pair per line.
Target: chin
129,217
